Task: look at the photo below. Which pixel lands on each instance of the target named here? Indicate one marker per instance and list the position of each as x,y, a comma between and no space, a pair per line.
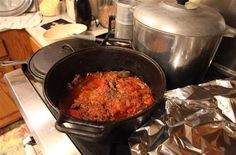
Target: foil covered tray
199,119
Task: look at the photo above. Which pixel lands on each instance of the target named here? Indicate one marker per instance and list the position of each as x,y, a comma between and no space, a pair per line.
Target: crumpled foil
199,119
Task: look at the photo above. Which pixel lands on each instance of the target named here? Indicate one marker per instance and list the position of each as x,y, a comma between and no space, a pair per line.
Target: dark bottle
181,1
83,12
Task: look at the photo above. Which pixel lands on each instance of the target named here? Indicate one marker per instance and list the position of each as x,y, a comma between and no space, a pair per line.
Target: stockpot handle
229,31
66,124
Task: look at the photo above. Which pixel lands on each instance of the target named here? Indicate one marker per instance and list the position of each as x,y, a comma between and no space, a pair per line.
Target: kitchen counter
38,31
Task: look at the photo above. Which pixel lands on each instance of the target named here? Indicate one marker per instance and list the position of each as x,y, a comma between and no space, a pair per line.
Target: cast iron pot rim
31,69
125,50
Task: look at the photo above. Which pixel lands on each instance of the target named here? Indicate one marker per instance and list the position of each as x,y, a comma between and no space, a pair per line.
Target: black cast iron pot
103,58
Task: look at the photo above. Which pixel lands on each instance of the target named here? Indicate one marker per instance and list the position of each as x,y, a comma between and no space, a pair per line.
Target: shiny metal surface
124,11
38,117
169,17
225,58
14,7
124,18
183,41
225,70
123,31
185,60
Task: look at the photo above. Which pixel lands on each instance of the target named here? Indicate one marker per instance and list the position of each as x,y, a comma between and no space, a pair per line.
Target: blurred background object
17,7
225,59
106,8
49,7
124,18
79,11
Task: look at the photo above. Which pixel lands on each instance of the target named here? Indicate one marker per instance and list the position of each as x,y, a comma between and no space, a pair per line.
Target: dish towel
26,20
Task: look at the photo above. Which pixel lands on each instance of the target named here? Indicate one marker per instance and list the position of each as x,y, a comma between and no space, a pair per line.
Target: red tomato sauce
106,96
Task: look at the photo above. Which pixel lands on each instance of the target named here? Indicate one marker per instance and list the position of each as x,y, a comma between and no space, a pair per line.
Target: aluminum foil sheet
199,119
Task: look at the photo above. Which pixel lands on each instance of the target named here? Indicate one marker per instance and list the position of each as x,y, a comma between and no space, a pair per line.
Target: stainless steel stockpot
182,40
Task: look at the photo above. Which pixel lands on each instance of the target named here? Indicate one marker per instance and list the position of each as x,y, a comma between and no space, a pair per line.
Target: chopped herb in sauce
106,96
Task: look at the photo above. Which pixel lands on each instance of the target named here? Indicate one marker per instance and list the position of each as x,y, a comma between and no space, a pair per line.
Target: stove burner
84,147
40,64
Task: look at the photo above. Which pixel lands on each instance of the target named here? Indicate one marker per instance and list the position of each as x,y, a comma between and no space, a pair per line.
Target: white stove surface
37,31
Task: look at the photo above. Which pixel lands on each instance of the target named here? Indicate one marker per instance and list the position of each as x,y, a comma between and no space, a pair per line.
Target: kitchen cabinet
14,45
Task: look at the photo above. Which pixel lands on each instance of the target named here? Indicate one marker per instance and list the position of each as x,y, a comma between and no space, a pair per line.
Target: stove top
40,119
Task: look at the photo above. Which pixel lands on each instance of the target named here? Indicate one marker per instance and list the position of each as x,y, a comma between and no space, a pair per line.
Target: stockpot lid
171,17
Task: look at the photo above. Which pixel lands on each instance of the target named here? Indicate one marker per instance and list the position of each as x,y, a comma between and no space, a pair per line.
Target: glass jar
106,8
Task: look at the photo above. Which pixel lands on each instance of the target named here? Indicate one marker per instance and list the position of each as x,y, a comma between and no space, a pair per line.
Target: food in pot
106,96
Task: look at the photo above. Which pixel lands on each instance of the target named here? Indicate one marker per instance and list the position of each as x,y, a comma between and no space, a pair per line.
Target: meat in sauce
106,96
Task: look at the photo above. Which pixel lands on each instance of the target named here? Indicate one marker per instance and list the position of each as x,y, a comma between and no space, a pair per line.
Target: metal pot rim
167,16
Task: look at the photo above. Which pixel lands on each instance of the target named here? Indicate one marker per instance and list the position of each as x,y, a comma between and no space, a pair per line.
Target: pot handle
69,125
93,38
67,47
229,31
12,63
